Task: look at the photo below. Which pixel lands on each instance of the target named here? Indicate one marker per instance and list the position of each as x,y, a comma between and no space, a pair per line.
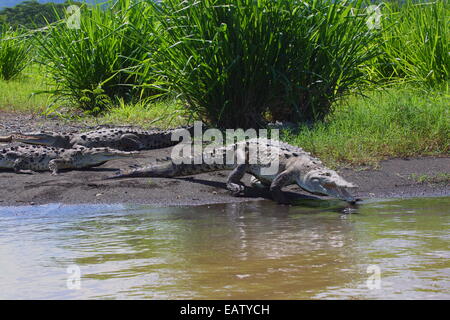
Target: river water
385,249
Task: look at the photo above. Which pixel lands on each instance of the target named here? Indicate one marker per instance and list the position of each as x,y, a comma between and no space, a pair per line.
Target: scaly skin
118,138
295,166
37,158
6,138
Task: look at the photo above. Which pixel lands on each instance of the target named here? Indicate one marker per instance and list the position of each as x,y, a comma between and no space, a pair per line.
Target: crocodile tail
163,170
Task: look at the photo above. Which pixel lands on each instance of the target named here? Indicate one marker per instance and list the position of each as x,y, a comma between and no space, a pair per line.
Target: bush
241,63
416,42
15,48
101,62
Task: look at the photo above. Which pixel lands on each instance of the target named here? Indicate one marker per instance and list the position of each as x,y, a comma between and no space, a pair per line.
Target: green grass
17,95
14,52
416,42
161,114
396,122
424,178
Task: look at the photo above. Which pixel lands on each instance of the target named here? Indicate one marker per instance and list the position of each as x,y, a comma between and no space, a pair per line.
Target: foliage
401,121
102,60
14,52
416,42
237,63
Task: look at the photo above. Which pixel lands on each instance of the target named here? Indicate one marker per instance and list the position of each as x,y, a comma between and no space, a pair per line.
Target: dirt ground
395,178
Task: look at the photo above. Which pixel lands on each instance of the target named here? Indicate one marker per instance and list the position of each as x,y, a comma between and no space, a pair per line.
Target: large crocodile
38,158
293,166
125,139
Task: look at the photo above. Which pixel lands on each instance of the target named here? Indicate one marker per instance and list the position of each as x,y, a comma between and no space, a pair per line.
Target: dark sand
393,179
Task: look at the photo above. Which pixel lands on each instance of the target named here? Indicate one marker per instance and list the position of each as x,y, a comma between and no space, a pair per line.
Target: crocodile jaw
340,192
5,163
327,182
44,138
96,155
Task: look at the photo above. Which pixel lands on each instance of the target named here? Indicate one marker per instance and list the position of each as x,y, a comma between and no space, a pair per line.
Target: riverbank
414,177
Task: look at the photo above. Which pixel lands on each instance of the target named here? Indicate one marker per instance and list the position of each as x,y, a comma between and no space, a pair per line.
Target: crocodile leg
56,165
234,179
283,179
130,142
19,165
256,183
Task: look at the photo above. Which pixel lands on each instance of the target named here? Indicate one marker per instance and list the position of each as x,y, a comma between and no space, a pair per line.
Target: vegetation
416,42
424,178
14,52
396,122
236,62
244,63
99,63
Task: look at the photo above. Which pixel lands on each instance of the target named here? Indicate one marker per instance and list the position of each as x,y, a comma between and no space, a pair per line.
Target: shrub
15,55
101,61
416,42
241,63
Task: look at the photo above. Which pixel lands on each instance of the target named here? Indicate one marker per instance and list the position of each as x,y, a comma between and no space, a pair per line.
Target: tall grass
241,63
416,42
94,66
15,50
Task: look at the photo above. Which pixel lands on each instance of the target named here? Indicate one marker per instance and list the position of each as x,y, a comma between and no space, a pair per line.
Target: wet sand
394,178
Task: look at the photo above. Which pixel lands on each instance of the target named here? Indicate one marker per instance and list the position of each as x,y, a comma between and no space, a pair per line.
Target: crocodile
23,159
294,166
124,139
6,138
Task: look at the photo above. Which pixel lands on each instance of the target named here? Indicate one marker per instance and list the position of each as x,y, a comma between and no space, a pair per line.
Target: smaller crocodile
293,166
23,159
125,139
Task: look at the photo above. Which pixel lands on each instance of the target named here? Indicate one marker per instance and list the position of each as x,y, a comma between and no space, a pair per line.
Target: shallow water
390,249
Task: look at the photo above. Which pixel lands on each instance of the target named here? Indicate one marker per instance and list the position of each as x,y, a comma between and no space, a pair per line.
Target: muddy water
258,250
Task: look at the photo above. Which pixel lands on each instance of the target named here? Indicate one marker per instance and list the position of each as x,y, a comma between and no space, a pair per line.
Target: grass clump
100,62
241,63
14,52
424,178
416,42
396,122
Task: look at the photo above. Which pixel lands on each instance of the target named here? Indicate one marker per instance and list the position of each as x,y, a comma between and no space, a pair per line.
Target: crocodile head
327,182
45,138
99,155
